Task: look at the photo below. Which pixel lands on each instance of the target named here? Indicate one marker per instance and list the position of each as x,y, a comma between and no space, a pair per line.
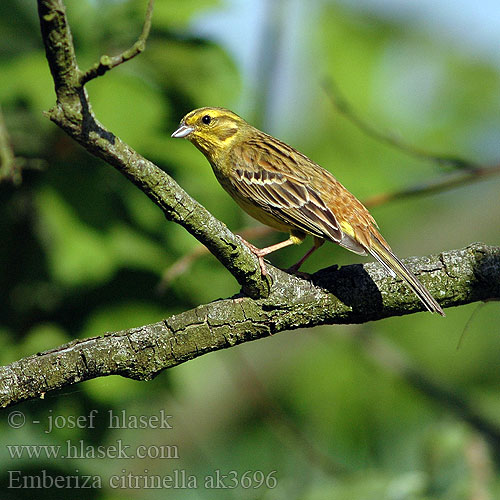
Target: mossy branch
351,294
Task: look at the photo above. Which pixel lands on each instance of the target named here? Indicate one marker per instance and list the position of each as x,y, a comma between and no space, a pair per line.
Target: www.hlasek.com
178,479
80,450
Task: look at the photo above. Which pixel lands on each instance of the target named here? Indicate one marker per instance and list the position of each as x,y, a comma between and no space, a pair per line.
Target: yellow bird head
211,130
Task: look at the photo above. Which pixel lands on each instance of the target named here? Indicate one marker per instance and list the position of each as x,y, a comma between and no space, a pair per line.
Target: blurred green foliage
83,252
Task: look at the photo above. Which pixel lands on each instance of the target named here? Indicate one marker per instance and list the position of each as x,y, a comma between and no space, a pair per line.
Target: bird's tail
382,252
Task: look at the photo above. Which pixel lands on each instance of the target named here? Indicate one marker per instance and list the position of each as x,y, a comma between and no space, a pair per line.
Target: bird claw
257,252
262,264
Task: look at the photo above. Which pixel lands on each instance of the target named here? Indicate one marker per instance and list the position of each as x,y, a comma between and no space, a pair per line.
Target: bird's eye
206,119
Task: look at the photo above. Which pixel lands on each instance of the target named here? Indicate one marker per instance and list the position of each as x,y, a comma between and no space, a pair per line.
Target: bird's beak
182,131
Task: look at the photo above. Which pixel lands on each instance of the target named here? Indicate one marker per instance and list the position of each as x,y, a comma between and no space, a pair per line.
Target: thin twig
468,324
344,107
109,62
446,183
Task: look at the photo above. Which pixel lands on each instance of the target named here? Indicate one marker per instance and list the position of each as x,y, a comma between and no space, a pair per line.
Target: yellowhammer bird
284,189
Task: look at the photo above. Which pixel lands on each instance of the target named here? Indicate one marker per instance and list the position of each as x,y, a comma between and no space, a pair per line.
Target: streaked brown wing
262,176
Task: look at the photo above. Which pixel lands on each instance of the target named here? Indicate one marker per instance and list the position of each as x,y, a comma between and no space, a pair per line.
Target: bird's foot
258,252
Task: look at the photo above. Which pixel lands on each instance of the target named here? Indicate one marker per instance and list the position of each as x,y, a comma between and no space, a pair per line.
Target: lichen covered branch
456,277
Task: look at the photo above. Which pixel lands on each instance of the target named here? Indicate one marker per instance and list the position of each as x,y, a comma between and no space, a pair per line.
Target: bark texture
351,294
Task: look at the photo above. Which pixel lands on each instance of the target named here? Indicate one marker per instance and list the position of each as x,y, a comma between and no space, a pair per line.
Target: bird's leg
317,243
261,252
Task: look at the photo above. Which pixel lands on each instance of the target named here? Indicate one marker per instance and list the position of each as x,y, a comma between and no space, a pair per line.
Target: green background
339,412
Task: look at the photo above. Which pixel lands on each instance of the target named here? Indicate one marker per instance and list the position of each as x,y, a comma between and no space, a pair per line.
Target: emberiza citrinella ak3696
284,189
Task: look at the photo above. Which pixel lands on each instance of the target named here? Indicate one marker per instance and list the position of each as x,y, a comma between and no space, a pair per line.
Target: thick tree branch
352,294
73,114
